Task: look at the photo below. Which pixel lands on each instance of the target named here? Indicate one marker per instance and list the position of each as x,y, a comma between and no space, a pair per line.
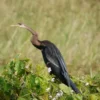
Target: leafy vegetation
19,81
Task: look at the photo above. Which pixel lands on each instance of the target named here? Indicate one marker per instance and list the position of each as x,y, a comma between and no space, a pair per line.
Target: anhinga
52,58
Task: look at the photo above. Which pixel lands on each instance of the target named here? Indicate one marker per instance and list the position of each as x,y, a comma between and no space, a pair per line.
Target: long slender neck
31,30
35,41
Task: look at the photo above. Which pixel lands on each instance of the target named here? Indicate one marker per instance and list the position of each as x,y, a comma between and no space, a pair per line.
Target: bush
20,82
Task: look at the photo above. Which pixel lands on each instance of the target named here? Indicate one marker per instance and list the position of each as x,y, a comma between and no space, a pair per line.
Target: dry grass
73,25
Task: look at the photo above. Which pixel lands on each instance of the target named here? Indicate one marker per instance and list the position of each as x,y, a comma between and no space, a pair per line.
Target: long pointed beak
14,25
19,25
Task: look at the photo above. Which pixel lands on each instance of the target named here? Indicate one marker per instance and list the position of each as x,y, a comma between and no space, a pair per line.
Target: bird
52,58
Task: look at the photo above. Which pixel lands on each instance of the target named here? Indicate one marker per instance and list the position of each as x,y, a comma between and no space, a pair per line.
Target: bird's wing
54,56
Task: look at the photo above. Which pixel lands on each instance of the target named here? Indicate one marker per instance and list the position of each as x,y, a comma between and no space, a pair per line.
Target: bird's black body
52,58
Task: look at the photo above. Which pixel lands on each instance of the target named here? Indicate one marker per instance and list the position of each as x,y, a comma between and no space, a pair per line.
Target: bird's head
20,25
34,38
26,27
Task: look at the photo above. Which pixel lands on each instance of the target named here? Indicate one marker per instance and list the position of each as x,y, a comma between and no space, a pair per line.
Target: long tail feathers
73,86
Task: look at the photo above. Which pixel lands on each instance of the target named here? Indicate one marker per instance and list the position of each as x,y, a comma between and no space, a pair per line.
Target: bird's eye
20,23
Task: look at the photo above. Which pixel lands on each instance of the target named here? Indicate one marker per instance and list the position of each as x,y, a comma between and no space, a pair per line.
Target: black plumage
52,58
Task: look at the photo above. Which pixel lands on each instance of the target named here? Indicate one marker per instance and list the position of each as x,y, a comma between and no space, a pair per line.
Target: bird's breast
44,57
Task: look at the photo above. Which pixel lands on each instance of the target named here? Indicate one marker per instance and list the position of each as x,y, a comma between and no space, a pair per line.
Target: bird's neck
36,43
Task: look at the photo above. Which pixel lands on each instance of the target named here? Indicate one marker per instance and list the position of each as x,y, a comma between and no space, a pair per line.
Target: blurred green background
72,25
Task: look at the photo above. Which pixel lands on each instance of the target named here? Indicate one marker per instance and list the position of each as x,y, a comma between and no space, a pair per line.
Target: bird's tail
73,86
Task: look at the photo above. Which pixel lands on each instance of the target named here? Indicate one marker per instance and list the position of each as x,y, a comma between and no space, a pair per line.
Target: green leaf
7,87
2,82
21,98
30,81
24,91
65,88
19,67
93,97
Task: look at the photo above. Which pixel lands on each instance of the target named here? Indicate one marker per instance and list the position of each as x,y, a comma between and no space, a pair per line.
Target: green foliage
18,82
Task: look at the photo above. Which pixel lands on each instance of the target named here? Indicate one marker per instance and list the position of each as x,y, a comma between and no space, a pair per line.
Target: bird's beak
19,25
